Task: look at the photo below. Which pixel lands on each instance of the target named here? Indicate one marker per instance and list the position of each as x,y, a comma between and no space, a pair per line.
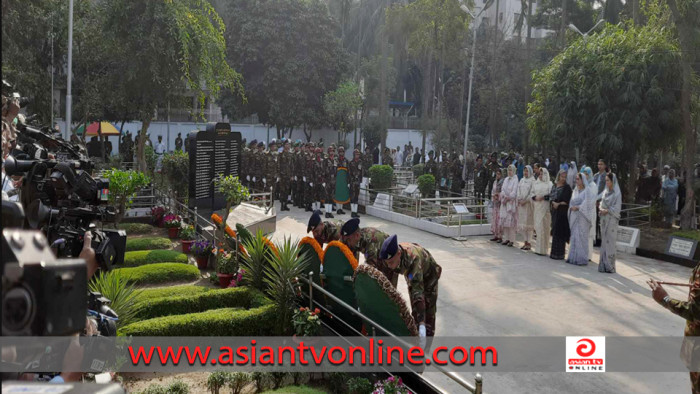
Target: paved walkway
492,290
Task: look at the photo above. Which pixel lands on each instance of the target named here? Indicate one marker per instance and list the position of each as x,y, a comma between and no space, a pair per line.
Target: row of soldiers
447,173
392,258
303,175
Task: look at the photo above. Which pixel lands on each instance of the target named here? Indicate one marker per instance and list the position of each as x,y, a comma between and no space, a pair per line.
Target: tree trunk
632,181
563,23
140,148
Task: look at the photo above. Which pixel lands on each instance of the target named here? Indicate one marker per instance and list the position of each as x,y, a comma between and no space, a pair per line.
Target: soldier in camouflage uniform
386,158
367,163
492,167
422,274
307,178
285,177
297,183
368,241
324,232
271,171
247,163
319,180
690,311
456,175
330,166
481,179
356,170
259,167
342,161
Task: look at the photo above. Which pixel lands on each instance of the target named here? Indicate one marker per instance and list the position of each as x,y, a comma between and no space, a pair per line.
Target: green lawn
143,257
150,243
691,234
296,390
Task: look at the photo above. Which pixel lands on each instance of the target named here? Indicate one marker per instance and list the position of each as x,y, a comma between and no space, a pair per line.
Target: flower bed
217,322
161,273
242,297
136,228
143,257
151,243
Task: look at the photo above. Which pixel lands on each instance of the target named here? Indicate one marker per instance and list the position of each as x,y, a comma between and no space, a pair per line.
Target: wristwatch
666,300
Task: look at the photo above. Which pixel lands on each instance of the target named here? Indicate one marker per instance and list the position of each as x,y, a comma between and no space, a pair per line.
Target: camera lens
17,310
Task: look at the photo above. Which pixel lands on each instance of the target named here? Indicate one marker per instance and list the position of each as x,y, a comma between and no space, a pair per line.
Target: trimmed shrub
136,228
176,387
360,386
418,170
160,273
241,297
143,257
296,390
381,176
147,244
216,381
237,381
226,322
426,185
172,291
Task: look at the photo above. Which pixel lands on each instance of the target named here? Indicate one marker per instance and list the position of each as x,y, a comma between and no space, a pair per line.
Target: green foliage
143,257
216,381
176,387
171,291
151,159
243,233
341,105
176,169
136,244
418,170
237,381
241,297
296,390
188,233
690,234
337,381
426,185
360,386
225,322
256,261
261,380
381,176
373,133
226,263
612,95
232,189
281,270
123,186
277,379
136,228
160,273
285,81
122,294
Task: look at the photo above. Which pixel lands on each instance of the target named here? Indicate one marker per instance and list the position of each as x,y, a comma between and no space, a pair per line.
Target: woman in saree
496,207
592,188
610,206
541,211
560,197
525,215
580,221
509,207
670,188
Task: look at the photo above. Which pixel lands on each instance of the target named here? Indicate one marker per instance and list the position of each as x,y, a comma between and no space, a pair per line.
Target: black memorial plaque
213,152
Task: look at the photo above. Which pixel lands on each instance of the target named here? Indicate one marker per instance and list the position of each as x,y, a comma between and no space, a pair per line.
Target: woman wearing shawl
560,197
509,206
525,215
496,207
592,188
610,207
670,188
580,220
542,215
571,175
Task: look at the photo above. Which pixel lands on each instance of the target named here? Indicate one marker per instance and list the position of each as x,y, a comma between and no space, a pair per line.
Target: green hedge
150,243
226,322
161,273
136,228
381,176
242,297
172,291
143,257
426,185
418,170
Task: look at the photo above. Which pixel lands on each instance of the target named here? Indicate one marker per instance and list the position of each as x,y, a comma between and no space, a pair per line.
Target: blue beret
253,142
350,227
261,144
389,248
314,220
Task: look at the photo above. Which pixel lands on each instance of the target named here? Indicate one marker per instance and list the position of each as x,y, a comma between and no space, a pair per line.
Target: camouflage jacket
331,167
285,167
481,178
319,170
271,169
366,164
690,311
370,244
387,159
355,171
331,231
431,167
258,166
421,273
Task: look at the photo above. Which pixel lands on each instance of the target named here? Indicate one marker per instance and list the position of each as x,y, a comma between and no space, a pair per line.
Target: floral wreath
391,292
271,245
229,231
346,251
314,244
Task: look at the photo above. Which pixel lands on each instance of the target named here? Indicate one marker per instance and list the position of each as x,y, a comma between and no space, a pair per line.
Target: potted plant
202,251
188,235
306,322
391,385
172,222
234,192
157,215
226,267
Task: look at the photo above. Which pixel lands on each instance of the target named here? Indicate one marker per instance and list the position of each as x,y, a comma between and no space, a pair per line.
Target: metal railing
477,388
635,215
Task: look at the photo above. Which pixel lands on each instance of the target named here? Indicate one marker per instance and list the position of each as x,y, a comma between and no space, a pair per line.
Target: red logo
583,350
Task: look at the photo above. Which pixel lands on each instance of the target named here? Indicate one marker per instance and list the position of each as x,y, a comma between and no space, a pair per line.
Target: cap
341,147
273,141
261,144
431,153
253,142
314,220
389,248
350,227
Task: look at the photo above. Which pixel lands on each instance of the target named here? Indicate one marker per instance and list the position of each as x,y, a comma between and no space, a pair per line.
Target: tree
612,95
341,105
164,48
123,185
289,57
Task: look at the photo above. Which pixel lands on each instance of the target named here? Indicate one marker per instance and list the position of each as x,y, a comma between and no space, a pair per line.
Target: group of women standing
568,215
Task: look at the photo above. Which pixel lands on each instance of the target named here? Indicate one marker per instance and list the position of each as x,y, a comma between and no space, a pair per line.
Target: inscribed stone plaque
681,247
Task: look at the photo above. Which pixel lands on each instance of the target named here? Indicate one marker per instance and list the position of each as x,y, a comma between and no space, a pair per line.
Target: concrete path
492,290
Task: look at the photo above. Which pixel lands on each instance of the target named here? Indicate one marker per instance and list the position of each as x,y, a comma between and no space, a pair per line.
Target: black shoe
329,215
340,212
308,208
355,215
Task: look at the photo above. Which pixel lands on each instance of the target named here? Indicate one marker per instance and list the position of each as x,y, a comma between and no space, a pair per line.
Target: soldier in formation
356,173
341,161
285,177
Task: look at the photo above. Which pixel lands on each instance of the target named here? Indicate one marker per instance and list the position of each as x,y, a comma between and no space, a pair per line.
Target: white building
506,13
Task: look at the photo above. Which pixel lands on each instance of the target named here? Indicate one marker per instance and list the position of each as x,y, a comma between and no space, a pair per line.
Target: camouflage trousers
354,192
430,294
695,382
330,192
284,189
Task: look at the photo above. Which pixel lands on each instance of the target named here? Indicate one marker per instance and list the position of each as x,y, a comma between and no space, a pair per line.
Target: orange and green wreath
271,246
346,251
229,231
314,244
